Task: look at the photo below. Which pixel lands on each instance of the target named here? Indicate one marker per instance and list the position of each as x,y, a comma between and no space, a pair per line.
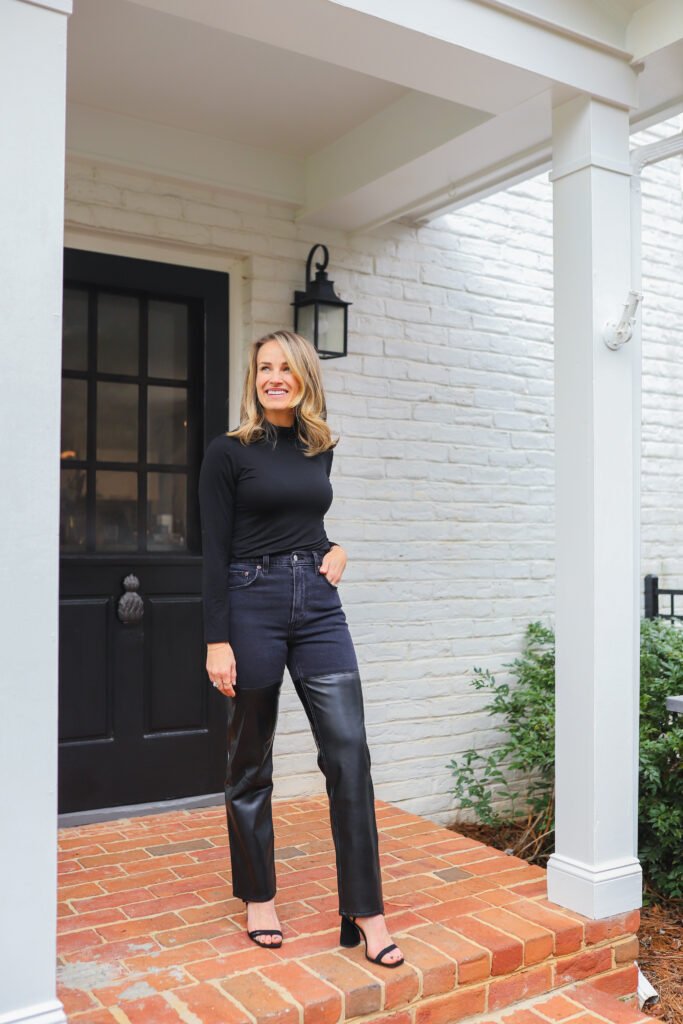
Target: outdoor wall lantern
319,314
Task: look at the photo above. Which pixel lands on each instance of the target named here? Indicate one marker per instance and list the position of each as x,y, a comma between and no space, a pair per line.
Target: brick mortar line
531,1003
69,900
612,942
587,982
509,908
118,1014
215,984
380,981
518,938
285,993
181,1008
388,1016
554,959
530,1000
340,951
487,981
72,854
572,920
319,977
489,954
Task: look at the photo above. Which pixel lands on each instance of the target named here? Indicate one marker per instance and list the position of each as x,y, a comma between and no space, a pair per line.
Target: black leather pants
334,705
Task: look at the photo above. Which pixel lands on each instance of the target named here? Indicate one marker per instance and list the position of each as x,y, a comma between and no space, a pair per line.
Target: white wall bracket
616,334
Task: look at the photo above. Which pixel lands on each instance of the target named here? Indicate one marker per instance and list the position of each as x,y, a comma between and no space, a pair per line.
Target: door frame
235,266
231,362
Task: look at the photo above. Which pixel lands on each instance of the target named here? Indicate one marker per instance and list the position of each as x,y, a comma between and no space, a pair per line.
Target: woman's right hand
221,667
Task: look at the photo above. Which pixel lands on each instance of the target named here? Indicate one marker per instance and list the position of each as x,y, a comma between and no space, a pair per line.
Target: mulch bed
661,957
660,933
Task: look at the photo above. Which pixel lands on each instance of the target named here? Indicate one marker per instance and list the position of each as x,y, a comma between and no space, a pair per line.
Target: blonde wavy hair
310,407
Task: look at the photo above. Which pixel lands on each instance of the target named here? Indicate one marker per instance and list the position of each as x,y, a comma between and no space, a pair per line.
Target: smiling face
276,385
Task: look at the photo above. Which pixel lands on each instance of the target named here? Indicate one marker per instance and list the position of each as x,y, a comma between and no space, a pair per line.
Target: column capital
588,133
591,160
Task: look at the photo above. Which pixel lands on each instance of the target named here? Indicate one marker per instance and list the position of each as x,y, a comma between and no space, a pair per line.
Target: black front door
144,387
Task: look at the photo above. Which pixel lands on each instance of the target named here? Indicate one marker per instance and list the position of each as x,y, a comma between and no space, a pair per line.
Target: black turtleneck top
261,498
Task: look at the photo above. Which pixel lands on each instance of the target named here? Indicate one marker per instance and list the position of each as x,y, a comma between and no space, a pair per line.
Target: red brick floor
149,934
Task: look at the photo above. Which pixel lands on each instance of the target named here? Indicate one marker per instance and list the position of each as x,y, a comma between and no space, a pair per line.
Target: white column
33,90
595,869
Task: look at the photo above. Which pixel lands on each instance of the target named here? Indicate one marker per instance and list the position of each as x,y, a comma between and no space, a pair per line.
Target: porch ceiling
356,112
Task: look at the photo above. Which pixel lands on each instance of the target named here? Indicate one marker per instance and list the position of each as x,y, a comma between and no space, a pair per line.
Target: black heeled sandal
350,934
264,931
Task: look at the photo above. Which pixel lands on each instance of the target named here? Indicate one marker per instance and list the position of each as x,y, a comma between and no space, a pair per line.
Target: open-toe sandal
266,931
350,935
253,935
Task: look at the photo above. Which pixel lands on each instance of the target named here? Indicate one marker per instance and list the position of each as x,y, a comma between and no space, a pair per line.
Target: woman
270,600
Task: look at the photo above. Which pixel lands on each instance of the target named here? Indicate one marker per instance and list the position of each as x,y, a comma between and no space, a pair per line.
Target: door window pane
167,339
118,330
116,511
75,329
117,422
166,425
72,510
166,511
74,419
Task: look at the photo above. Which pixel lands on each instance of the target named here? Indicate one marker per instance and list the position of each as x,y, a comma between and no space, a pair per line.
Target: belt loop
265,562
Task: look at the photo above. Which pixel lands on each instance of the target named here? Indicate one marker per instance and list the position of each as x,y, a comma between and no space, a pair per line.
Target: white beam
395,53
500,34
584,19
511,145
654,27
405,131
33,86
594,869
661,84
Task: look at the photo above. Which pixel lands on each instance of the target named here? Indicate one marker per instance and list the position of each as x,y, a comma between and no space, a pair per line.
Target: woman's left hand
333,565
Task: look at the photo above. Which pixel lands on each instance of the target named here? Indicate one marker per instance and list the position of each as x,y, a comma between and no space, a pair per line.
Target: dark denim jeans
283,612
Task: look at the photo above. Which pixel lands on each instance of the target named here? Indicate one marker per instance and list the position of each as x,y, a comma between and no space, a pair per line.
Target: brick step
575,1004
149,931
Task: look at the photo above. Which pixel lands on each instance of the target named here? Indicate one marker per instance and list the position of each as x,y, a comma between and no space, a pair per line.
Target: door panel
167,654
144,388
84,712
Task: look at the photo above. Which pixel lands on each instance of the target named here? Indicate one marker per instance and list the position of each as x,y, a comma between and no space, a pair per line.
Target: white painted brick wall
662,450
443,478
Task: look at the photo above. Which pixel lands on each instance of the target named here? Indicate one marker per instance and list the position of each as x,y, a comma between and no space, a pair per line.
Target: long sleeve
216,507
330,453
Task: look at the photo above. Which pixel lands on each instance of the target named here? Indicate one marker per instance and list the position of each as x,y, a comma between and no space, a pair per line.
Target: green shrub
660,806
528,711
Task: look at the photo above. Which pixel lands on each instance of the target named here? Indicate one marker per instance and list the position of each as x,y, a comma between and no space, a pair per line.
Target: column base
39,1013
595,892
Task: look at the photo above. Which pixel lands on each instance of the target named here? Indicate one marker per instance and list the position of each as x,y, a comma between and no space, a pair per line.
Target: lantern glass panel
306,322
331,329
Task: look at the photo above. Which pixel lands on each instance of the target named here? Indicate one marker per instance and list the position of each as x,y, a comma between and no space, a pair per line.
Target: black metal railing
653,593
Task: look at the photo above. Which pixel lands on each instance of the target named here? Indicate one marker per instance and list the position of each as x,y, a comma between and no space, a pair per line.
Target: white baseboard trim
39,1013
596,892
